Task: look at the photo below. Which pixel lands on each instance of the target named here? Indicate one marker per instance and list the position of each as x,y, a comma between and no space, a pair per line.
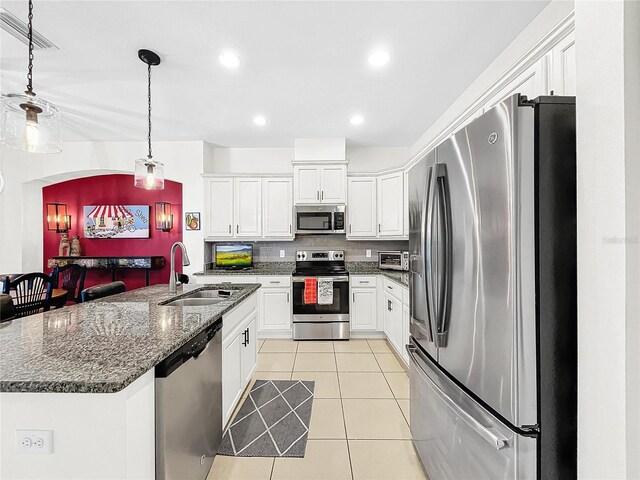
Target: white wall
278,160
471,99
21,203
608,63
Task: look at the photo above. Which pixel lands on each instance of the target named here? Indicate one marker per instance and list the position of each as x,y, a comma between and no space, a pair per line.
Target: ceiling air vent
19,29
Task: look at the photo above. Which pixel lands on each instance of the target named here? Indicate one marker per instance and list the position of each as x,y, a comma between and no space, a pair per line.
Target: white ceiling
303,66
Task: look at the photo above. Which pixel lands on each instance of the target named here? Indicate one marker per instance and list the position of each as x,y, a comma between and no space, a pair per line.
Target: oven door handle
335,279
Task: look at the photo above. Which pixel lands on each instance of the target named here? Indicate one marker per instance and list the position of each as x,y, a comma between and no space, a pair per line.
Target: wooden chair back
70,278
31,293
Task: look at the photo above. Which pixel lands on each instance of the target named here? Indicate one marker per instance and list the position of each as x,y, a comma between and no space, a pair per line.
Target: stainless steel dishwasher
189,407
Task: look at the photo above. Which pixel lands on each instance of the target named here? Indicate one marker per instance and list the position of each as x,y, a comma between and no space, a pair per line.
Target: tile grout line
392,392
344,419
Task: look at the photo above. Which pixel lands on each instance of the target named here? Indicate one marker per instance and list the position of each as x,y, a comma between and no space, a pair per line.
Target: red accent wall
115,190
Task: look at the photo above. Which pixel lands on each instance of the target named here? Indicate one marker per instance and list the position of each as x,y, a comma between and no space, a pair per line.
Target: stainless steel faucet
173,286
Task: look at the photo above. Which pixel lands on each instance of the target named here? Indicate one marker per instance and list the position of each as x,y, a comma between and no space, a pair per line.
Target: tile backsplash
355,250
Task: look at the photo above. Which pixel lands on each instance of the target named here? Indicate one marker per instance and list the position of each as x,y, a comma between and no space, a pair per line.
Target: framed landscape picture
116,221
192,221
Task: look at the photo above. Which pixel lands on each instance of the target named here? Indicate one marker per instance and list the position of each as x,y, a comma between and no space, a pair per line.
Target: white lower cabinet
239,353
396,316
363,308
405,332
274,307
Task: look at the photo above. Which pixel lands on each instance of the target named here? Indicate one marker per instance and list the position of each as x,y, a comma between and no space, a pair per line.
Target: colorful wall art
116,221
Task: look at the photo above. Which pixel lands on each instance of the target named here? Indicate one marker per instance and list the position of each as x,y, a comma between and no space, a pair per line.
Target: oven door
314,222
338,311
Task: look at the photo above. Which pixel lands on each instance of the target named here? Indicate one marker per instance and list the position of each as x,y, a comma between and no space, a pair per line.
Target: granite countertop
287,268
259,268
371,268
104,345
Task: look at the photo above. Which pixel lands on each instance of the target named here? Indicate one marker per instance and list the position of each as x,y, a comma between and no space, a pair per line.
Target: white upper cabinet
248,207
563,77
391,205
361,207
219,204
313,184
405,205
277,208
306,181
333,184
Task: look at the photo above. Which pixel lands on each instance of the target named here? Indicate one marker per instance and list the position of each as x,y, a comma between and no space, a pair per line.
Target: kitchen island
86,372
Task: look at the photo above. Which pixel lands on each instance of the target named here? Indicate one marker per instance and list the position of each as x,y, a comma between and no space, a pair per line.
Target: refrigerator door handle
496,440
428,253
444,274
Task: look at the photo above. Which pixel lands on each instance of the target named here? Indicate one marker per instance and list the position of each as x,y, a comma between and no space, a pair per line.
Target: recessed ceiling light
378,58
259,120
357,120
229,60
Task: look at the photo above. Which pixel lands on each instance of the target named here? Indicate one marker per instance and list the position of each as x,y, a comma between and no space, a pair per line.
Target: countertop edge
36,386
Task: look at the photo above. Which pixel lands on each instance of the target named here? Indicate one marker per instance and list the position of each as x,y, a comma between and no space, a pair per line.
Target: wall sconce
57,218
164,218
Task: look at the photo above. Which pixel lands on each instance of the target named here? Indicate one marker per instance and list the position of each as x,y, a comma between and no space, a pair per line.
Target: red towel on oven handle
310,291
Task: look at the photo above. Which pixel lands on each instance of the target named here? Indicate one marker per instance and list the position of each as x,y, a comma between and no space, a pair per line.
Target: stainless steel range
321,314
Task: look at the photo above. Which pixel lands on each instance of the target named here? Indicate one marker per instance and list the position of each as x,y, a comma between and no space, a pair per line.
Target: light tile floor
359,423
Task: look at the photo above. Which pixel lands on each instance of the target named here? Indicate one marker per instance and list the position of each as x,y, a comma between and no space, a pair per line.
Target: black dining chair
7,309
70,278
31,293
103,290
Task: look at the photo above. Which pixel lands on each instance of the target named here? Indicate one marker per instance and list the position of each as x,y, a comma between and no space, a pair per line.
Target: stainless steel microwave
393,260
320,219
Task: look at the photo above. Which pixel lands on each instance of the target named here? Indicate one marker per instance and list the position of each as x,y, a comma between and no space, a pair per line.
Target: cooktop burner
314,263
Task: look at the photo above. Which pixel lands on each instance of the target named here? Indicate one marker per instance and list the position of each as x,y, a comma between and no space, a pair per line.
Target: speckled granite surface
104,345
262,268
287,268
371,268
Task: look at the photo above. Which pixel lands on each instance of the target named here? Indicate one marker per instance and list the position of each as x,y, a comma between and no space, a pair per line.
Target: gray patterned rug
273,421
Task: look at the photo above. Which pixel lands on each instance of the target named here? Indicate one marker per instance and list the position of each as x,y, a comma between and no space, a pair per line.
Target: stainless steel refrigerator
492,242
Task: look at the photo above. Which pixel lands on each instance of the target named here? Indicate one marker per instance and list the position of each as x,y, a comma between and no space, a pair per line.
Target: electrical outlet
34,441
281,253
368,253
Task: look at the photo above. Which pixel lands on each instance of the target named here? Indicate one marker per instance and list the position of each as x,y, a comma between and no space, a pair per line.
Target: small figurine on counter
76,251
65,246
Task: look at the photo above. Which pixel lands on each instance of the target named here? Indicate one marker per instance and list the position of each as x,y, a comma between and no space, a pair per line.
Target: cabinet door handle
389,287
389,305
229,228
317,194
289,228
349,228
237,228
322,196
287,297
354,297
245,341
378,228
248,339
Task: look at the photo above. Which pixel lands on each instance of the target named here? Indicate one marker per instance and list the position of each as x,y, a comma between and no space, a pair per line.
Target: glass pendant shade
149,174
30,123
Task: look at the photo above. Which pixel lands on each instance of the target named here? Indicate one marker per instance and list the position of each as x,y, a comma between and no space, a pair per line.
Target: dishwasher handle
192,349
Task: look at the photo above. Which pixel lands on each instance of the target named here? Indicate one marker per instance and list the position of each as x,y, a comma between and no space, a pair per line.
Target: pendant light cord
150,156
30,70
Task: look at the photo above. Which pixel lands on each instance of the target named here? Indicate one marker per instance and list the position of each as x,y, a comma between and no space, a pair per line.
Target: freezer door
458,439
488,336
420,320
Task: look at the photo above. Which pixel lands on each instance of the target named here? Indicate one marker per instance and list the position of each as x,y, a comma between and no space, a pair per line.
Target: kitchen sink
201,298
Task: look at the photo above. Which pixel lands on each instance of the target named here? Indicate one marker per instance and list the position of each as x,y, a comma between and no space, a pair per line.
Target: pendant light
149,173
29,123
